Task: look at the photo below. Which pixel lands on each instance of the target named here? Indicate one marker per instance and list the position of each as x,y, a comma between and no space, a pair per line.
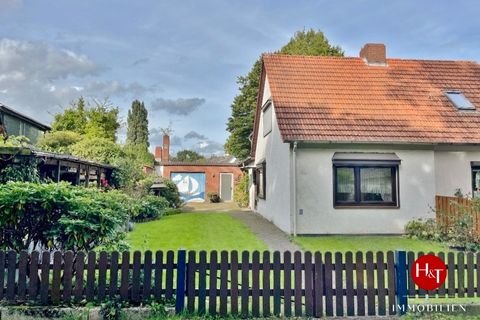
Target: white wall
276,206
315,193
453,170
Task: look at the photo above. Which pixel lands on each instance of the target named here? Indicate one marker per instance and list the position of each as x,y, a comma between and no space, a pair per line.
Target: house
196,180
17,124
362,145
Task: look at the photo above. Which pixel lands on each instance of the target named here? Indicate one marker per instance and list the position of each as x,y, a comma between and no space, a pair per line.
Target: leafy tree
188,156
137,122
58,141
99,121
98,149
74,118
240,123
102,121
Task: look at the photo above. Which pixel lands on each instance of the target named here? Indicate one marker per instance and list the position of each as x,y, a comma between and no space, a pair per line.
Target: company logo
429,272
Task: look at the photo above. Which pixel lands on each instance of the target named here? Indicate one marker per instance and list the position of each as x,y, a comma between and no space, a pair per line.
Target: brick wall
212,174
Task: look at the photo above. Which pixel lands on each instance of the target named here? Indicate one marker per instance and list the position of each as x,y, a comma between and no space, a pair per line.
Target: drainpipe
294,182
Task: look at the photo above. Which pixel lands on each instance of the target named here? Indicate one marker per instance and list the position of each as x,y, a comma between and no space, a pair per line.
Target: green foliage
171,194
148,207
188,156
59,141
310,43
240,123
60,216
112,309
423,229
137,122
24,169
15,141
74,118
460,234
240,195
98,149
98,121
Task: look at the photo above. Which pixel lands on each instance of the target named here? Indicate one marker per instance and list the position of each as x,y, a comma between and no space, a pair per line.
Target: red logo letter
429,272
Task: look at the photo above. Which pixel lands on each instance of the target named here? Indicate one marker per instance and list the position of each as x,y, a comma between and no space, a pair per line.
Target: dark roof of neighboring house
10,111
340,99
31,151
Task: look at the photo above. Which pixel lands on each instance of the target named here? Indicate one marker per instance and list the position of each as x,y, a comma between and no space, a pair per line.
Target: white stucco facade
416,193
276,206
299,185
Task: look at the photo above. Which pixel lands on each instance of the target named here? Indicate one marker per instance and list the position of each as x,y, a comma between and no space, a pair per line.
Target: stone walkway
274,238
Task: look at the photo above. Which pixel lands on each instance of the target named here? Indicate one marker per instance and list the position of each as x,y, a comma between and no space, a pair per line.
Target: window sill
366,207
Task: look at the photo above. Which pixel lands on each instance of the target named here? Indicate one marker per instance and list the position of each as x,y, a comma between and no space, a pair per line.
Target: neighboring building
362,145
17,124
196,180
59,167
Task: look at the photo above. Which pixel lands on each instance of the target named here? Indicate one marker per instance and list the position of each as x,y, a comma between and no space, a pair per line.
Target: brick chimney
158,153
374,54
166,148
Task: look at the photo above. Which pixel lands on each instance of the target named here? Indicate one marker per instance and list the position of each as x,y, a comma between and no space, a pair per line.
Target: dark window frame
474,168
358,203
261,180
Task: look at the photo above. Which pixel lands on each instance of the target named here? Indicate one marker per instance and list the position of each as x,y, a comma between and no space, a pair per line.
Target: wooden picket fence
223,283
448,211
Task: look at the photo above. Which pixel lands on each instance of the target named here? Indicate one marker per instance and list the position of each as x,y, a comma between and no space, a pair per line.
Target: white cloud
36,78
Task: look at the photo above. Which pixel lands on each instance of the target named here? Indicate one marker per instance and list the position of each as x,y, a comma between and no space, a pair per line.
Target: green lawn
366,243
194,231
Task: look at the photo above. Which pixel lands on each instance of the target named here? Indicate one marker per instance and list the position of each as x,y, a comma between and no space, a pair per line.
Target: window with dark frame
366,185
260,180
476,181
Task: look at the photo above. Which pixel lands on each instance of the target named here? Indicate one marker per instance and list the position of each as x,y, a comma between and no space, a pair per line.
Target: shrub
60,216
213,197
423,229
241,196
58,141
149,207
170,193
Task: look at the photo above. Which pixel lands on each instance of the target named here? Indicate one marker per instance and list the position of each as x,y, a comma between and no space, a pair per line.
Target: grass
194,231
366,243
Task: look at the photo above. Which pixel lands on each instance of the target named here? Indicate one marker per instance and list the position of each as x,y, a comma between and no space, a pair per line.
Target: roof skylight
459,100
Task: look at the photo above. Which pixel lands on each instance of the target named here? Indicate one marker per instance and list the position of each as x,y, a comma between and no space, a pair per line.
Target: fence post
401,281
181,277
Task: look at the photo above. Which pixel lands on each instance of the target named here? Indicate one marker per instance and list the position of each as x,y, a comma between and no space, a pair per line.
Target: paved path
274,238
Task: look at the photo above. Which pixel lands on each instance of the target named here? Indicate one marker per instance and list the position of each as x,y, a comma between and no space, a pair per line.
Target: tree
137,124
99,121
74,118
58,141
188,156
240,123
101,150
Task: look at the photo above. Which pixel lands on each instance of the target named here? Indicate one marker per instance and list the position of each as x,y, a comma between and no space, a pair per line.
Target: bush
460,234
241,196
149,207
170,193
61,217
214,197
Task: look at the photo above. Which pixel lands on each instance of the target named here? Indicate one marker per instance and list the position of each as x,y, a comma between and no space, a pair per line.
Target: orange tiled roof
344,99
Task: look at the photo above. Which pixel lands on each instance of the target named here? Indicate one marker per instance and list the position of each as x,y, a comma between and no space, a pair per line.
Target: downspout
294,183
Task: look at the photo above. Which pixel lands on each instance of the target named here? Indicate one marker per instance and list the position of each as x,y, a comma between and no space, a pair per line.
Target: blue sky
182,58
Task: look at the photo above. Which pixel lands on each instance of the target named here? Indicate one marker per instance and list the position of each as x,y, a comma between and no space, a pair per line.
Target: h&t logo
429,272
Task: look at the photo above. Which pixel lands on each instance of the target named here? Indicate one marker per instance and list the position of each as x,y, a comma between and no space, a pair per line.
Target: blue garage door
191,186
